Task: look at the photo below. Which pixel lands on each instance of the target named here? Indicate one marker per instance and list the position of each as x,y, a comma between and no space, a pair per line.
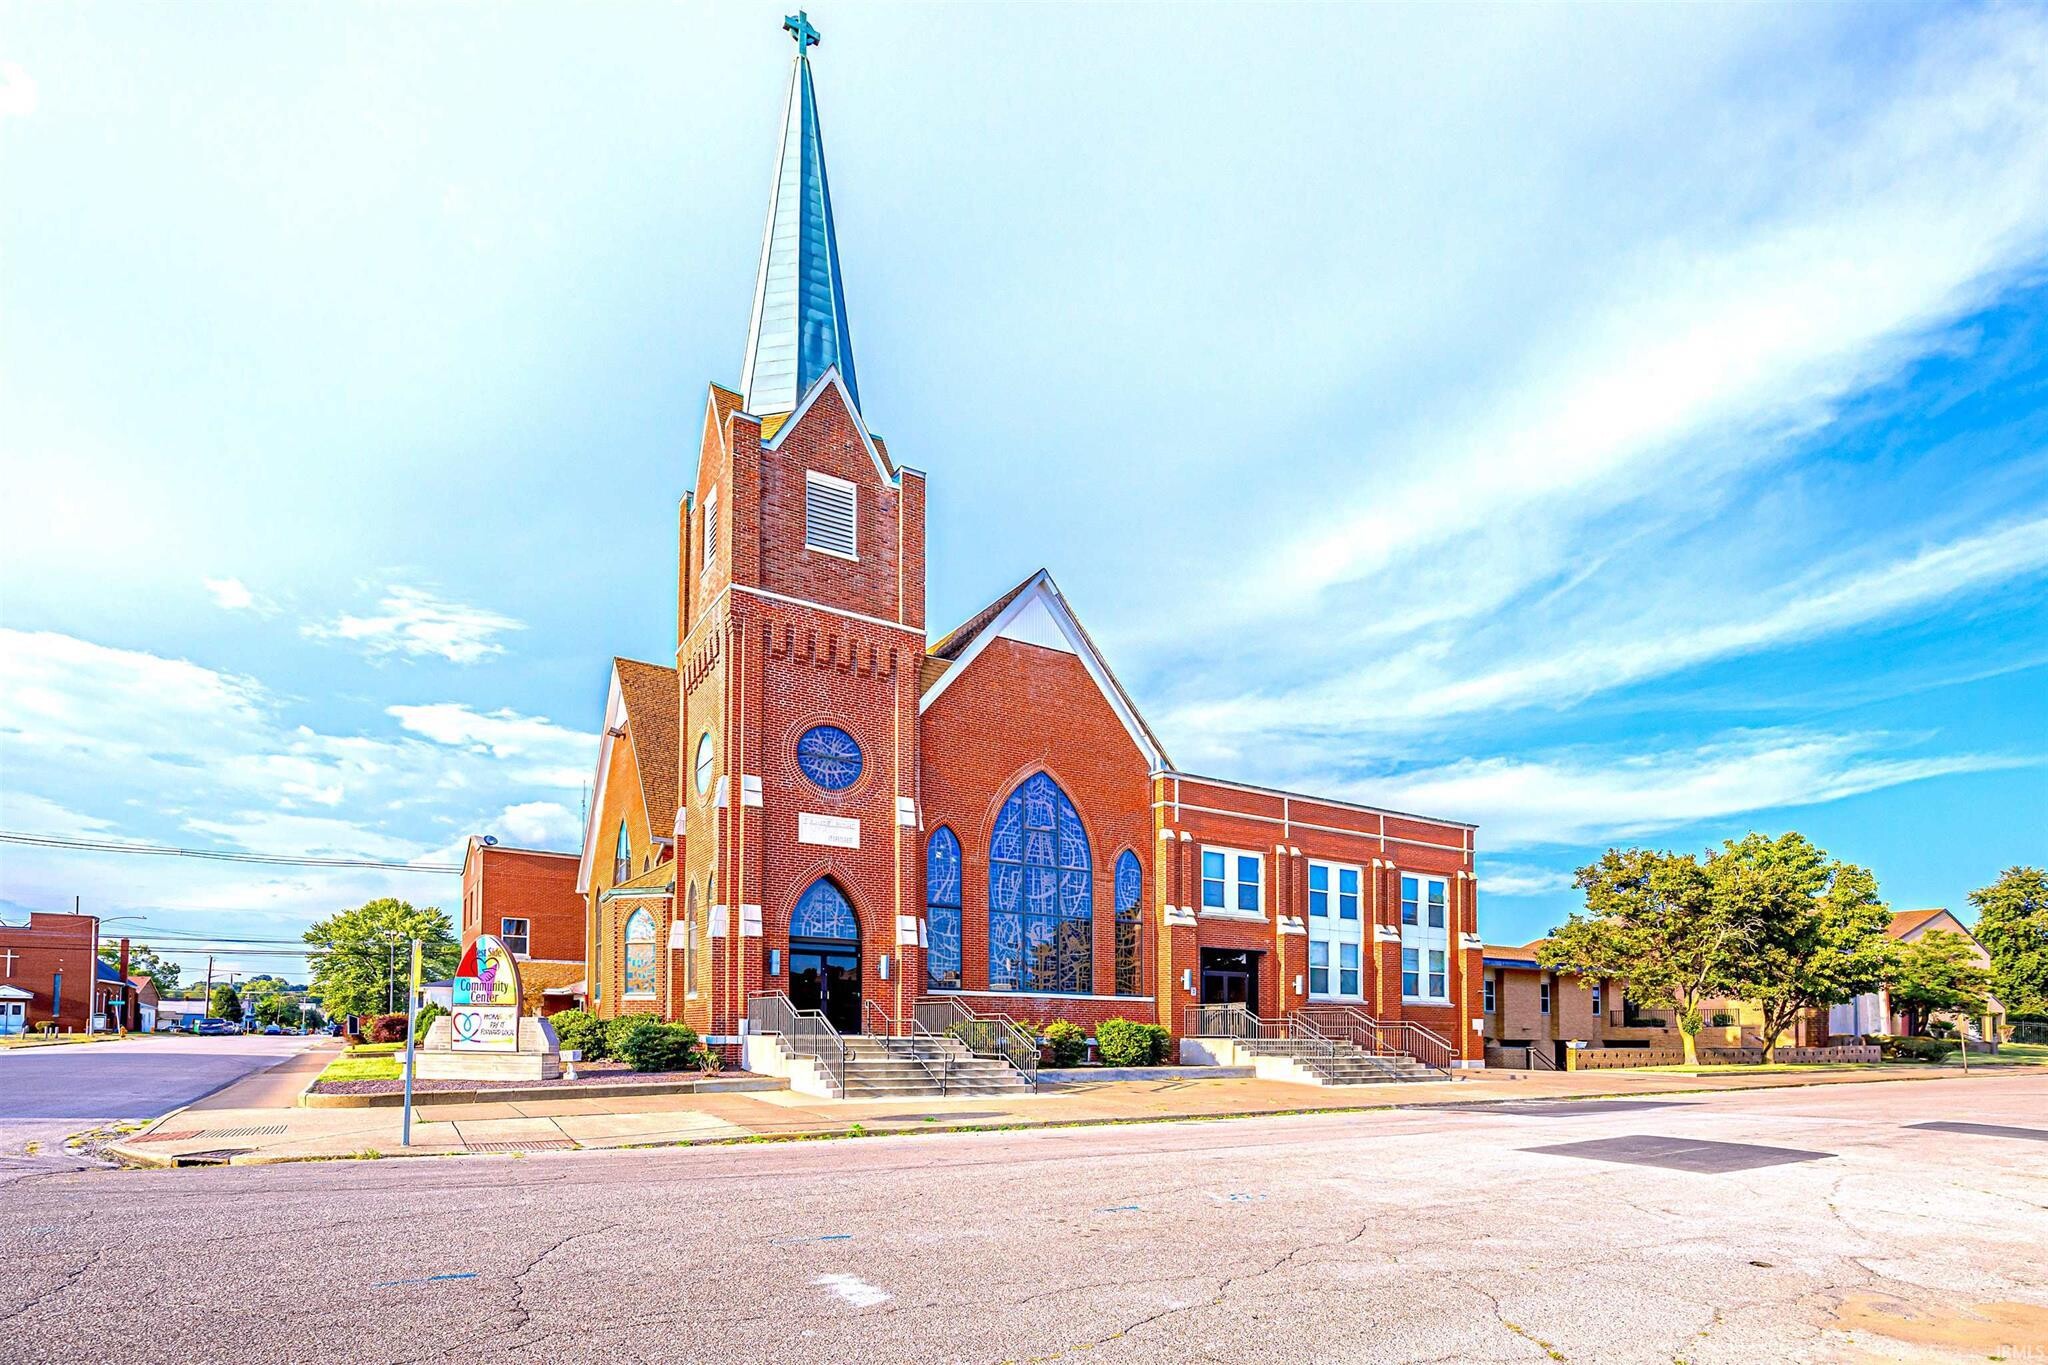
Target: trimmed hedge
429,1012
1126,1042
1895,1049
384,1028
580,1031
647,1045
1068,1041
615,1031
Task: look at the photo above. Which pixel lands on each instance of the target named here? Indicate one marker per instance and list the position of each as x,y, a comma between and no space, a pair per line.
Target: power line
215,855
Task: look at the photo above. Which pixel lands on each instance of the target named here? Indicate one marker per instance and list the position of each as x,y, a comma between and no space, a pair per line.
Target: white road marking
854,1290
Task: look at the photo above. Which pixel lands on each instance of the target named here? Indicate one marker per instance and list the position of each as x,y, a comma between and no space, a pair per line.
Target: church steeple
799,326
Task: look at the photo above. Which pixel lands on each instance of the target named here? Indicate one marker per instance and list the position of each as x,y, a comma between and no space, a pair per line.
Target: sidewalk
256,1121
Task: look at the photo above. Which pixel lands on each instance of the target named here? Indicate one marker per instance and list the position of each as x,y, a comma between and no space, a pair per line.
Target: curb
511,1094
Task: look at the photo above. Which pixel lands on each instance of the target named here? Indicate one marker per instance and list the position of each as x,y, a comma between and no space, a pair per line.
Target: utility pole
209,987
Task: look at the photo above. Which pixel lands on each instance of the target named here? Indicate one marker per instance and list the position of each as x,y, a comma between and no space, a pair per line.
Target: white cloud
538,824
1511,880
537,749
231,594
18,93
1430,679
1593,796
412,621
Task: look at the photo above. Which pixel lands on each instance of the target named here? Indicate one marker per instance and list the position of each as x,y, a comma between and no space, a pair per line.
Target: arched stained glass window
1130,891
942,910
639,955
823,912
622,857
1041,894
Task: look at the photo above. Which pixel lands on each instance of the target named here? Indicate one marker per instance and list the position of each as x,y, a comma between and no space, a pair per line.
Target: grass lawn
369,1062
1746,1069
2008,1054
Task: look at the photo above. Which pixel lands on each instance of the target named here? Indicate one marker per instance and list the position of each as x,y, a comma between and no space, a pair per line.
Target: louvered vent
828,515
711,527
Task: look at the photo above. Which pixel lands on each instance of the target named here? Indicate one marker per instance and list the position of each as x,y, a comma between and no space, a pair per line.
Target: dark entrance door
824,975
1230,976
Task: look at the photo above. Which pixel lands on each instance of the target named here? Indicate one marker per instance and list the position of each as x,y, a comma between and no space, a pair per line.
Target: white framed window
1543,997
1425,938
1233,882
710,528
515,934
1486,994
830,515
1596,1000
1336,928
1318,967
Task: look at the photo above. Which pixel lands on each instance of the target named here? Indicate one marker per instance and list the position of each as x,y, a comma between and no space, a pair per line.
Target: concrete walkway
256,1123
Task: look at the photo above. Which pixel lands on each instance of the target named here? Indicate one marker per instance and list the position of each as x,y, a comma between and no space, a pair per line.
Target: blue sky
1601,424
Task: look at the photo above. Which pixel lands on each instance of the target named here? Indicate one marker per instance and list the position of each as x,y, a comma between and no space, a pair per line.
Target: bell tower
800,634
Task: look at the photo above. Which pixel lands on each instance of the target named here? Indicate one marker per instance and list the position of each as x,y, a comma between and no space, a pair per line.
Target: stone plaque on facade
833,831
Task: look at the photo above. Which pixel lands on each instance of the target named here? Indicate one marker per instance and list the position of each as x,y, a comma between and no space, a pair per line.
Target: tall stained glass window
1041,894
942,910
1130,887
639,954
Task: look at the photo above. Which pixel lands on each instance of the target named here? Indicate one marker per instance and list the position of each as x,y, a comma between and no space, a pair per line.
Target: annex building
823,801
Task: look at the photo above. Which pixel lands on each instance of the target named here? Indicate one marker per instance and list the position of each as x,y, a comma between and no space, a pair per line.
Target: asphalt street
1814,1224
49,1093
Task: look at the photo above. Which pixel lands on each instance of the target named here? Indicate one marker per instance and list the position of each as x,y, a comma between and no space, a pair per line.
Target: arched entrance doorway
824,956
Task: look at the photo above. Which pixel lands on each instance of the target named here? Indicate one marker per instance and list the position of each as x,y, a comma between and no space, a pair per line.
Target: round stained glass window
829,757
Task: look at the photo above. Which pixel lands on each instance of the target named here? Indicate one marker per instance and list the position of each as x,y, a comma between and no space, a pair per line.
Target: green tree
143,962
1818,928
360,957
2012,924
1653,922
1938,973
226,1002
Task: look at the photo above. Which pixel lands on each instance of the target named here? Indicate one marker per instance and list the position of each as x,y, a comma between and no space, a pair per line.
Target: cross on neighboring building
9,954
799,27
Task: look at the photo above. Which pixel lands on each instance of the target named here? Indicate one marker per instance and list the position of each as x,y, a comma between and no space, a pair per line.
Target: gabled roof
653,712
1908,922
1033,608
648,696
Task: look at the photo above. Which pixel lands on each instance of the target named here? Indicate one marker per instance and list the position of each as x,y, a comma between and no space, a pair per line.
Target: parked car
213,1028
272,1030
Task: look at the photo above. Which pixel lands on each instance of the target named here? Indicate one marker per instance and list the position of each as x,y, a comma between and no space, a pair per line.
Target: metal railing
983,1034
916,1045
806,1033
1381,1037
1532,1057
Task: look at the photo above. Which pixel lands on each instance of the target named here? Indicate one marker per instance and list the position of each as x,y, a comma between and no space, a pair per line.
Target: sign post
412,1017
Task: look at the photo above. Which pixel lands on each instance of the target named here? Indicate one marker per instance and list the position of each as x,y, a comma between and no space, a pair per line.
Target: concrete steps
1316,1063
903,1068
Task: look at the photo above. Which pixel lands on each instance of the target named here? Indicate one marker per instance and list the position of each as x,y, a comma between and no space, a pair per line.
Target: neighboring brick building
50,970
1869,1015
1527,1007
528,897
821,801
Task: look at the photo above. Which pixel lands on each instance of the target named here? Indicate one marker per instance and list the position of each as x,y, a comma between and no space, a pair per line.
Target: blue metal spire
799,325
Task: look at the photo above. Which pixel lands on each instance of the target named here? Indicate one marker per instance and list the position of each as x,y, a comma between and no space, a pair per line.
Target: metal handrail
1386,1037
985,1034
888,1024
1303,1029
807,1033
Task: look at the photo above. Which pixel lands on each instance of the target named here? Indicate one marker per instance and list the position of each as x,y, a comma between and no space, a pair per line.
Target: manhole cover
181,1136
1682,1154
536,1145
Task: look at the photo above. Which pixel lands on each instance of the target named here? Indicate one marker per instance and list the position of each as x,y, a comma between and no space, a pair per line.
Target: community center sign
486,1013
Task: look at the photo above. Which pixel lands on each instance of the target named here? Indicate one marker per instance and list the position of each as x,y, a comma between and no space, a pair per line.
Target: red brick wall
1019,709
526,884
46,945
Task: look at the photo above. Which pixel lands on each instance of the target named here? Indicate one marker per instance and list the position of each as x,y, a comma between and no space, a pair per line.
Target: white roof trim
614,718
1045,594
831,379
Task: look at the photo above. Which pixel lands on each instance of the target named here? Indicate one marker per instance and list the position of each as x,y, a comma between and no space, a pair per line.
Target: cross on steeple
799,27
9,955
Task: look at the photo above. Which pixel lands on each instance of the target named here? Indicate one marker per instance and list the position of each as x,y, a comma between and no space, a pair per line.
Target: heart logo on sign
466,1025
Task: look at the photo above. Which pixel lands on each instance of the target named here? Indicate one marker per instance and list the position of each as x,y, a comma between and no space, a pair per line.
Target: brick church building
824,800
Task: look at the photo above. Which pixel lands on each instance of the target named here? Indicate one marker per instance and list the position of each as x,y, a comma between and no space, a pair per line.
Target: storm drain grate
1984,1129
535,1145
1682,1154
262,1130
220,1157
180,1136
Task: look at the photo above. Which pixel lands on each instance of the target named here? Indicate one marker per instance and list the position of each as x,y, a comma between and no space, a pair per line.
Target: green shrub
428,1014
1068,1040
1162,1043
1723,1019
1122,1042
647,1045
1895,1049
581,1031
615,1031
